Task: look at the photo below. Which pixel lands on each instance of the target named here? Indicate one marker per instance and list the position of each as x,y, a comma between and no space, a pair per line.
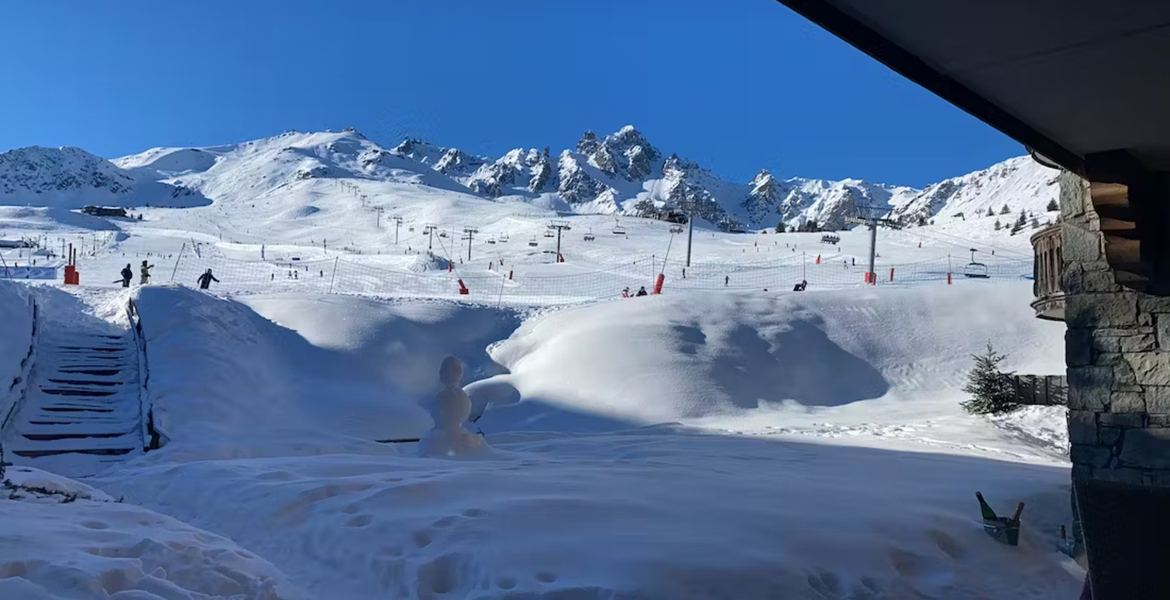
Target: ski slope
728,437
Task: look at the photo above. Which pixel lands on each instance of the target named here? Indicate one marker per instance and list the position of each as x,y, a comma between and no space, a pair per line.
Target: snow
658,514
712,441
16,315
73,178
95,548
755,361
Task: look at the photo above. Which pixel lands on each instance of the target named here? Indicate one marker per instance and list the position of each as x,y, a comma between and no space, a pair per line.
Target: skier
205,280
855,261
625,292
127,274
726,280
641,291
144,276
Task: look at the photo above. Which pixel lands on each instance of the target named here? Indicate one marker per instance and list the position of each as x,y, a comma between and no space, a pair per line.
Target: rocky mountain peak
588,143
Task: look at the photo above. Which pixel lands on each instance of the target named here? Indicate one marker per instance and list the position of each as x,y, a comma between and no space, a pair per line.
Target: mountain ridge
620,173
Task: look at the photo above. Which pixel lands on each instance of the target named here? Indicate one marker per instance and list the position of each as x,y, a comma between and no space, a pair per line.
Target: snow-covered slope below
73,178
750,361
869,504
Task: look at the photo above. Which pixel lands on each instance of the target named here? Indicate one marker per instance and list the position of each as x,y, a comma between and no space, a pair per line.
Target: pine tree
991,212
1005,210
780,227
992,391
1035,222
1052,205
997,225
1020,223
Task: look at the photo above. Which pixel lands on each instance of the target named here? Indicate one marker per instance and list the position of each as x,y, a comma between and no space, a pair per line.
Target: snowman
450,410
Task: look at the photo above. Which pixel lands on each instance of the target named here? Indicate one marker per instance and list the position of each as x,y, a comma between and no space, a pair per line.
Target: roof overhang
1069,79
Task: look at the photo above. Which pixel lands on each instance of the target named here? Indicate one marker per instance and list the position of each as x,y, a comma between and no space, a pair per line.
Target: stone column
1118,357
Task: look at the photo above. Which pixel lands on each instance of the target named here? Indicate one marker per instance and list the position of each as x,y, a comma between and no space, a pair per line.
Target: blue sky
736,86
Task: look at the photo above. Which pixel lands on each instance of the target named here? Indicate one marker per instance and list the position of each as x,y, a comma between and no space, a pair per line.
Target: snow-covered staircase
83,399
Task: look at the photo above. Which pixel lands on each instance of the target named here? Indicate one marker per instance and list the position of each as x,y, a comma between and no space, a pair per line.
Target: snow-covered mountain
620,173
1017,185
625,173
73,178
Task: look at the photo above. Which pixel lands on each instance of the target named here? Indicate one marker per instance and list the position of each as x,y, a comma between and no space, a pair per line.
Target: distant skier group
641,292
128,274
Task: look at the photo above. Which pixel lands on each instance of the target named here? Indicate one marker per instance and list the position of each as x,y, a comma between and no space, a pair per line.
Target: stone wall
1118,356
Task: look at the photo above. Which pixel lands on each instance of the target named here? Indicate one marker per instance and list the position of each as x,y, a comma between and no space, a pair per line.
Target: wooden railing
1041,390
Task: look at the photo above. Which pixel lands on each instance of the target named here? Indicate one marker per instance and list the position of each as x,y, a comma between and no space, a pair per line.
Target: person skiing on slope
726,280
205,280
127,275
144,276
625,292
641,291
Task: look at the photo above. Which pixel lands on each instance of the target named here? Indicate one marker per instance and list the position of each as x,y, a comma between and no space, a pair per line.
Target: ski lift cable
966,243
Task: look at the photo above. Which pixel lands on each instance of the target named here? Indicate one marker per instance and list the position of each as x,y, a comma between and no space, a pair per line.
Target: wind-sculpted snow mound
692,357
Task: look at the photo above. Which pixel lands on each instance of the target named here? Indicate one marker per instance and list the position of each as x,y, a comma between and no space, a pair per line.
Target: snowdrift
704,357
226,380
650,514
400,344
16,315
95,548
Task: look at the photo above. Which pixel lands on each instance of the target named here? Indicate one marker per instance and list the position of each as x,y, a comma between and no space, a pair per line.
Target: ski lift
589,237
676,229
549,234
617,227
412,229
442,234
975,269
532,242
491,240
504,239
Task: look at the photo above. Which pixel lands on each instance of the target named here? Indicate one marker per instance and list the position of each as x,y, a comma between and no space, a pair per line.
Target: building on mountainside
671,216
1075,84
105,211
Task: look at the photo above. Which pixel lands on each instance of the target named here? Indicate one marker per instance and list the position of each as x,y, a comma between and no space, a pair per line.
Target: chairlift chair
549,234
491,240
676,229
617,227
532,242
504,239
589,237
975,270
